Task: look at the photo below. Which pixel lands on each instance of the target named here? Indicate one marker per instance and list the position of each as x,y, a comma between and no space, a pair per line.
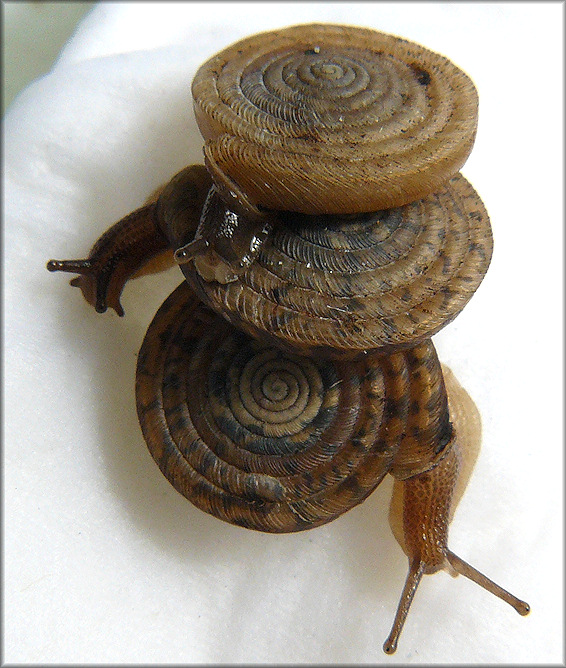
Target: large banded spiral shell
333,119
346,286
275,441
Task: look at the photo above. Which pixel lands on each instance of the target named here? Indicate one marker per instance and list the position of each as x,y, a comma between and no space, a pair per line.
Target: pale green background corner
33,34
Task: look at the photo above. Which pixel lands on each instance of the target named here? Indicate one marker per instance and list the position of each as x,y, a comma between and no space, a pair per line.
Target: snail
338,286
346,286
320,119
279,442
333,119
328,236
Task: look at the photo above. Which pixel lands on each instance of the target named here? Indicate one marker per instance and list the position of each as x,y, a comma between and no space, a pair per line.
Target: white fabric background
104,561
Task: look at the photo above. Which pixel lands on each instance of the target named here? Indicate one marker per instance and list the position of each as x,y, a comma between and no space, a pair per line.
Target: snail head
226,243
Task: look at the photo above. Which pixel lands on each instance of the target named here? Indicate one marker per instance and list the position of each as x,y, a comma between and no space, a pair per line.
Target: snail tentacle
463,568
188,252
117,256
414,576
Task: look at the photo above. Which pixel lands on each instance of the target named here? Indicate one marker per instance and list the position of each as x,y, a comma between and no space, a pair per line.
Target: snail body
327,237
278,442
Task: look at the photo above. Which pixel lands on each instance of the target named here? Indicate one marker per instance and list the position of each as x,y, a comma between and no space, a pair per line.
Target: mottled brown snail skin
327,119
279,442
138,244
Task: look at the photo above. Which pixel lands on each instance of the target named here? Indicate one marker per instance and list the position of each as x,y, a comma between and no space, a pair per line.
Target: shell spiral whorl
268,440
333,119
346,286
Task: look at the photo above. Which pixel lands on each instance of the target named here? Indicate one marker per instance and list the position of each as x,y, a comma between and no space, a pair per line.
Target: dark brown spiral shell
275,441
348,285
325,119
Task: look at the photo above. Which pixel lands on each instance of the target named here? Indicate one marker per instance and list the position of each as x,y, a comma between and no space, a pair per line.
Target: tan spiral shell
275,441
346,286
333,119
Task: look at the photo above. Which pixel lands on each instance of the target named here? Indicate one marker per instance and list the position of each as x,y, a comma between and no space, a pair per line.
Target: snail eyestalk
93,282
414,576
463,568
72,266
189,251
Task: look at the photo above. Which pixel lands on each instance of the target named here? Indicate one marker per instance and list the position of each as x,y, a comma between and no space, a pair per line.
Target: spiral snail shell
276,441
320,120
279,442
344,286
326,119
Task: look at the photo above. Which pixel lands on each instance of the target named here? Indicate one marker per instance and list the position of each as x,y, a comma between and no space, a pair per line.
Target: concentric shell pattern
320,377
274,441
347,286
333,119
